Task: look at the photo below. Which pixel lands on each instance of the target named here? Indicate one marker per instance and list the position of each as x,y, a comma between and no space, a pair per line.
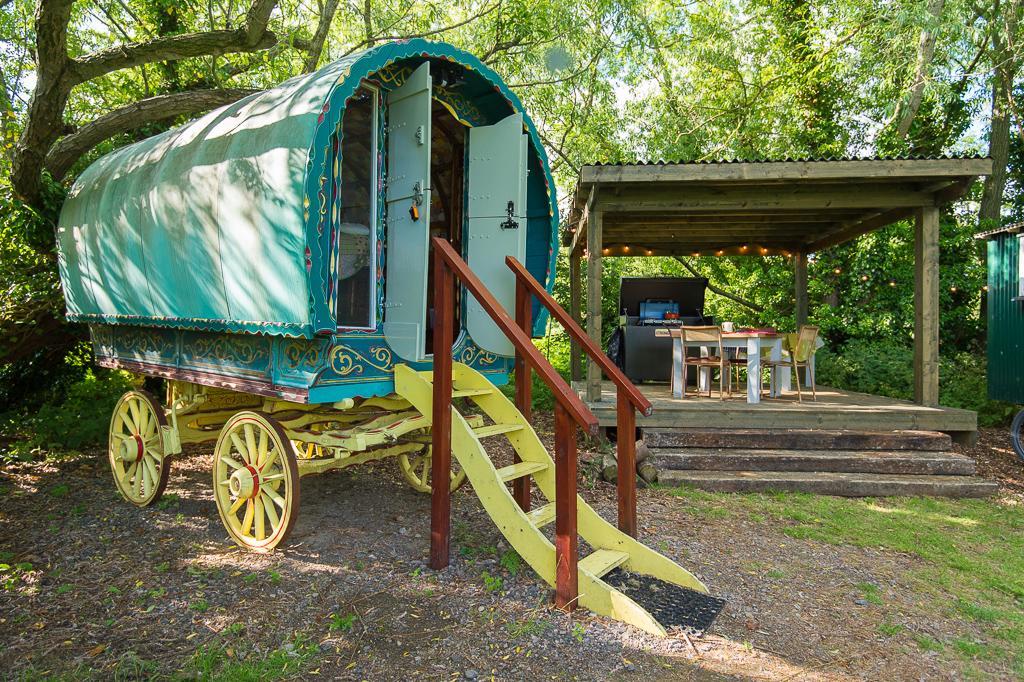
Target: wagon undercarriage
262,447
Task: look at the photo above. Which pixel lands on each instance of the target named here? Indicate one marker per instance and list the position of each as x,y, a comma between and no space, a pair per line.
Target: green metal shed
1005,312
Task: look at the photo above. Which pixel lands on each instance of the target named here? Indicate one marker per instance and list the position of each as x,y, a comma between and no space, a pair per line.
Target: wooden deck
834,409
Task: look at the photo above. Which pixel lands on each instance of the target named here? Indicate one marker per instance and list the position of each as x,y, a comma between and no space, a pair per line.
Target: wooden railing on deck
570,412
629,399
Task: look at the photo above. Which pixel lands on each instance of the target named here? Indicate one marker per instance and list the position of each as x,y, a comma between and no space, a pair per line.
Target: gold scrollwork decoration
346,361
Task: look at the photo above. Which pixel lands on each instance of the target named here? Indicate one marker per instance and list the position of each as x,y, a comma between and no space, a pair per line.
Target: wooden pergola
759,208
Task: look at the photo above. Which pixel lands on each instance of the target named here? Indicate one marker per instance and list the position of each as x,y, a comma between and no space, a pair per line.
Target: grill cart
279,262
1006,321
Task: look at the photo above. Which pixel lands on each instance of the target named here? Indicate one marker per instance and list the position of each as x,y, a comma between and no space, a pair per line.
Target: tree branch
72,147
906,110
316,45
718,290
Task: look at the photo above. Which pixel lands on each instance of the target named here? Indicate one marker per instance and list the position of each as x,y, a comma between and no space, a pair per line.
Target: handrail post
566,541
440,495
626,456
524,378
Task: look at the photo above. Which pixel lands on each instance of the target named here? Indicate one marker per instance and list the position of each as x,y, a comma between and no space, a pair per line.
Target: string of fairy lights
614,250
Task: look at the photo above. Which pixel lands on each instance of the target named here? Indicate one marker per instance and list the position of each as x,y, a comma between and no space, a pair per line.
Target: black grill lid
688,292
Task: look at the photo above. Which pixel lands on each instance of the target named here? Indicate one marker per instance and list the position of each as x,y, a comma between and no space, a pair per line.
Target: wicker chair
711,337
799,358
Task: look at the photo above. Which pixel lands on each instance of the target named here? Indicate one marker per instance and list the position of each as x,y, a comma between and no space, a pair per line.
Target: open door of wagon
496,213
408,215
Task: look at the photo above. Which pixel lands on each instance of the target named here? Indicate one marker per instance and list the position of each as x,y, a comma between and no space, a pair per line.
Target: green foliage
79,420
887,368
342,623
492,583
229,664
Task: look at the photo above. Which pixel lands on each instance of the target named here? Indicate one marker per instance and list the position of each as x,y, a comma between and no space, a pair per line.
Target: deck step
542,516
520,469
797,439
936,463
602,561
496,430
831,483
471,392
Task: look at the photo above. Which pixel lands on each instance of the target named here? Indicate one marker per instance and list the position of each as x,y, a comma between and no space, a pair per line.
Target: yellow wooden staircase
611,547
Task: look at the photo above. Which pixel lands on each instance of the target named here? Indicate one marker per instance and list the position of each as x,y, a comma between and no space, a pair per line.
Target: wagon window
356,203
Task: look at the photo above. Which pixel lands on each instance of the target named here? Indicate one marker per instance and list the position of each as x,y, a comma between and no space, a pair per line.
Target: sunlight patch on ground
928,515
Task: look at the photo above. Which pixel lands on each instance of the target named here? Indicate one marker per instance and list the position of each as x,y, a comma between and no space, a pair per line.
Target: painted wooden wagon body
287,263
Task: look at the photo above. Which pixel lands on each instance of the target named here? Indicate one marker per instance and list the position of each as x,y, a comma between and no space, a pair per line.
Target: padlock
414,212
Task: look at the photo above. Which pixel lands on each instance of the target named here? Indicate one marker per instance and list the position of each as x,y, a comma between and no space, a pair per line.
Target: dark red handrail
628,396
570,411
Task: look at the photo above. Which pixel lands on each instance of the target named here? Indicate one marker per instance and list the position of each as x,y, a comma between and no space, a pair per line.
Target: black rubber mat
671,605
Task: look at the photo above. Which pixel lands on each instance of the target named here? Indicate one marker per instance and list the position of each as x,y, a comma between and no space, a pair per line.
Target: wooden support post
440,495
626,456
926,306
594,300
800,284
575,361
524,379
566,540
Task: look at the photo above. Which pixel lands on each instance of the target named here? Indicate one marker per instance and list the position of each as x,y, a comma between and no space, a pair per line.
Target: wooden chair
711,337
800,358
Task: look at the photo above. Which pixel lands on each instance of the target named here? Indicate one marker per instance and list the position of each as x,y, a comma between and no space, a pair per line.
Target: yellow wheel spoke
154,477
240,446
247,519
237,505
140,479
230,461
261,518
261,449
127,478
268,505
250,444
272,477
272,494
271,458
134,409
143,419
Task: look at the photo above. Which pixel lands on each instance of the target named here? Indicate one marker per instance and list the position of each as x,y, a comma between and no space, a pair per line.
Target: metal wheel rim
1017,434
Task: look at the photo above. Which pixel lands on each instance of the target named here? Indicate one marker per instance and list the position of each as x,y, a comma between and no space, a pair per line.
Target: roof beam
694,198
849,231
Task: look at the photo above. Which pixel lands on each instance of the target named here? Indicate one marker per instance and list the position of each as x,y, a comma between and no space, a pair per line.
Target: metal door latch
510,223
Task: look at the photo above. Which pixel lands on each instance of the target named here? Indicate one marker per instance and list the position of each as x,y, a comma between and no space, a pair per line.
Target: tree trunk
1005,69
907,109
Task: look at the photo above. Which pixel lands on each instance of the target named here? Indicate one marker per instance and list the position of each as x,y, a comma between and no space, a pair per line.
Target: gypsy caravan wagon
1006,321
281,263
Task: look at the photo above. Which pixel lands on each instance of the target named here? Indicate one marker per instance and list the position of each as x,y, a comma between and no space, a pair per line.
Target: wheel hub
132,450
244,482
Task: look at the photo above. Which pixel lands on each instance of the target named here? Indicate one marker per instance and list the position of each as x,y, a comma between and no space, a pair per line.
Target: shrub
82,417
887,368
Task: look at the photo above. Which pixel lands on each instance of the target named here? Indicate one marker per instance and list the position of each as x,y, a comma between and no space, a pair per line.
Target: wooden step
937,463
542,516
470,392
602,561
496,430
830,483
797,439
520,469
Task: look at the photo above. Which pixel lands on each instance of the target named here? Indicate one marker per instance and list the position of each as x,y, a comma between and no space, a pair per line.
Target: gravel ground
111,587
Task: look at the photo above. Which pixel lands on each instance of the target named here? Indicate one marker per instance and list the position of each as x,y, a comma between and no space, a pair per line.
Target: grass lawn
971,552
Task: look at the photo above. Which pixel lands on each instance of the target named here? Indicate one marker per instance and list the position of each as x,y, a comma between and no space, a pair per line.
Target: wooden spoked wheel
255,481
135,448
416,469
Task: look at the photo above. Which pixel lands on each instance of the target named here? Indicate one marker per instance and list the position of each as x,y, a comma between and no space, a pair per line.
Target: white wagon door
496,217
408,216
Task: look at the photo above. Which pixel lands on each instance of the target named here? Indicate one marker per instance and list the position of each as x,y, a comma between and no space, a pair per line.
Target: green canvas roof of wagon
223,224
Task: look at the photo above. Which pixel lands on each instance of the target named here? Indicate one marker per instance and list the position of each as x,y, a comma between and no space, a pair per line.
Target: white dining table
750,341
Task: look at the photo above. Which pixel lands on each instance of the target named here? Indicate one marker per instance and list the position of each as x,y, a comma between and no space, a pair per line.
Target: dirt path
112,589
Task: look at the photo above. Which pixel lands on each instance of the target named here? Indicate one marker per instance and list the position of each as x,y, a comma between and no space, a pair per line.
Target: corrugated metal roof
791,159
1012,228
